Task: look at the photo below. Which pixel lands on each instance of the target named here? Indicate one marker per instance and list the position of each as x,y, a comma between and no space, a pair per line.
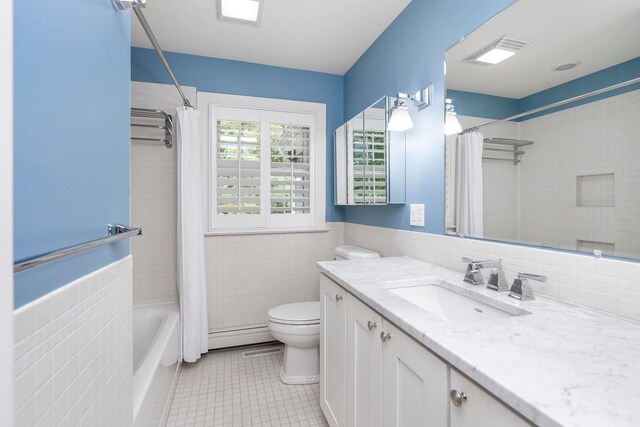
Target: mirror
566,177
370,161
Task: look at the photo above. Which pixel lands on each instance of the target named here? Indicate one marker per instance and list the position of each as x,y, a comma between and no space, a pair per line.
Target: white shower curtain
469,216
191,262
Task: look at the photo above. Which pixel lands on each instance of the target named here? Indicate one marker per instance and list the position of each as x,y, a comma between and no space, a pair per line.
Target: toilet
297,325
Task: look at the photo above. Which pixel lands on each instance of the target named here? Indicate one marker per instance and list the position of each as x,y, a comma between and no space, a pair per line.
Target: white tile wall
154,200
602,137
248,275
73,353
606,285
501,183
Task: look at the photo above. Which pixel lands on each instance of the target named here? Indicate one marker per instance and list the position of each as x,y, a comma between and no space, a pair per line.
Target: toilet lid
298,312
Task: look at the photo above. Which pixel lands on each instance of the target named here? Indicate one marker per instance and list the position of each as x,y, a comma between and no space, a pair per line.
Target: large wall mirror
370,159
563,170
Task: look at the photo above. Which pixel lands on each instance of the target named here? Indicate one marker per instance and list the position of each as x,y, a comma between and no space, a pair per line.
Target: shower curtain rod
556,104
136,5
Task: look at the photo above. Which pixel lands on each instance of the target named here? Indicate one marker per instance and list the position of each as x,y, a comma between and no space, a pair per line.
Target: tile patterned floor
226,389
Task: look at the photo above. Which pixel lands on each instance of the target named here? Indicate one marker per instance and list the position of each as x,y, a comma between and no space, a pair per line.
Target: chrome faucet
521,289
497,280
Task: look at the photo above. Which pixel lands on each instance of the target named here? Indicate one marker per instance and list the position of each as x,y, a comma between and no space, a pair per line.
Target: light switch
416,217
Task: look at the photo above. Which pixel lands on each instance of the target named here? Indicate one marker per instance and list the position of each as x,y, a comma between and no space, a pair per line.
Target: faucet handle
473,276
536,277
521,289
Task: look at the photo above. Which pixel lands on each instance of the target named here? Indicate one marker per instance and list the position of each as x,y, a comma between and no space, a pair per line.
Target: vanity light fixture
400,119
242,11
451,123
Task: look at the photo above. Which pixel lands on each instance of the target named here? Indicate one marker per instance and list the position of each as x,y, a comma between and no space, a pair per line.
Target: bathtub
156,361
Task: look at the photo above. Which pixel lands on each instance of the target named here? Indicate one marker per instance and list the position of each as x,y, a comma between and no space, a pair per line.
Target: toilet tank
354,252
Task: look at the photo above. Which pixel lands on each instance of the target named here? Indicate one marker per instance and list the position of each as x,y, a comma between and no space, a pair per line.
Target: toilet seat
299,313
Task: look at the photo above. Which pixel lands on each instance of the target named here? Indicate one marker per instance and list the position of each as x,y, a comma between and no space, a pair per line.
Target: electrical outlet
416,217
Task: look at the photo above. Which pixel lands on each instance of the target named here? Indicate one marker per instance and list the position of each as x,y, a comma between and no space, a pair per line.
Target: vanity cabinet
414,382
333,309
364,365
478,408
372,374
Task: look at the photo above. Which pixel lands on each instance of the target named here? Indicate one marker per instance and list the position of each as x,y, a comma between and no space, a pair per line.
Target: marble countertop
558,366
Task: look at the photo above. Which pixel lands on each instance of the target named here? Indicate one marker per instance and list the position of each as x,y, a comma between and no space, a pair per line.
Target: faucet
521,289
497,280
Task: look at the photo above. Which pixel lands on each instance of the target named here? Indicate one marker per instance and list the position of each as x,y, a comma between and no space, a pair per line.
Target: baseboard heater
233,337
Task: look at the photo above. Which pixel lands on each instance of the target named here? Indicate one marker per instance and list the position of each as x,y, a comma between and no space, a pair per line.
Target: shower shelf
515,151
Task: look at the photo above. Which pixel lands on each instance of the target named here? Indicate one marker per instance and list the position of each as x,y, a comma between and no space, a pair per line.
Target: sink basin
455,307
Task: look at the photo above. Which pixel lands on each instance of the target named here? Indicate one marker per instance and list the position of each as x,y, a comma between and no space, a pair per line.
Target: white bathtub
156,361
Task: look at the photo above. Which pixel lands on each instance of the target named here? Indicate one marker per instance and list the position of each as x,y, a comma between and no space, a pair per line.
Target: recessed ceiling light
495,56
244,11
498,50
567,66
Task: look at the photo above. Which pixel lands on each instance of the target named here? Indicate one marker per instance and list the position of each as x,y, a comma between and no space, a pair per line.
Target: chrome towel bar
115,232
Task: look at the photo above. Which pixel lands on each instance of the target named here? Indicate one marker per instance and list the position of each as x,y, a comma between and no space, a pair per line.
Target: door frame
6,215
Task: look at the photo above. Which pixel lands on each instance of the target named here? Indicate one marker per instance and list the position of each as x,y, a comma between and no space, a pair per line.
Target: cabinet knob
338,297
385,336
457,397
371,325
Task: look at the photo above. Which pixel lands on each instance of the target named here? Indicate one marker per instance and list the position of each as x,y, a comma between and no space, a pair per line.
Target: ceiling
327,36
599,33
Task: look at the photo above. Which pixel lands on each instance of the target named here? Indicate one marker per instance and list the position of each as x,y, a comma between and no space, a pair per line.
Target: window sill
249,232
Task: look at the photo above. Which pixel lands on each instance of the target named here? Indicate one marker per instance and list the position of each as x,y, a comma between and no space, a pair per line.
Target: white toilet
297,325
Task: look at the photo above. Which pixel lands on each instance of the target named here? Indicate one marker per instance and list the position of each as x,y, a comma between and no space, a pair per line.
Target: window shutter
237,173
369,167
291,171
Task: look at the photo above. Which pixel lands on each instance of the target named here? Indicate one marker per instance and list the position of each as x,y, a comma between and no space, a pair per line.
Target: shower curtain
469,215
191,261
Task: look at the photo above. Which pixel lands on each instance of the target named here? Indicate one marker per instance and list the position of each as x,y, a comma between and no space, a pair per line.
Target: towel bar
115,232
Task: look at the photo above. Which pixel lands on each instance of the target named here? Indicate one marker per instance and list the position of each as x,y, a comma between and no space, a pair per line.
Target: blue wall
72,97
407,56
248,79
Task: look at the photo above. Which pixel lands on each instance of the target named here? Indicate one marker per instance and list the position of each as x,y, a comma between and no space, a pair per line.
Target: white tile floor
226,389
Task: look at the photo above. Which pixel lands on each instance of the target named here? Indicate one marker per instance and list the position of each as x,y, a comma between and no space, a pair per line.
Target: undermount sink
452,306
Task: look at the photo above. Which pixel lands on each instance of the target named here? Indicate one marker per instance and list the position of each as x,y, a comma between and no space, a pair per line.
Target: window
263,166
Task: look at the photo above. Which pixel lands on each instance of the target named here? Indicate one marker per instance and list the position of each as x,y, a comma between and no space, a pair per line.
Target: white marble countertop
558,366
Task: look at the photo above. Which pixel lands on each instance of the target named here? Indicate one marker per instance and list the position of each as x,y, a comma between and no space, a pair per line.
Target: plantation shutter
263,174
237,141
375,168
291,169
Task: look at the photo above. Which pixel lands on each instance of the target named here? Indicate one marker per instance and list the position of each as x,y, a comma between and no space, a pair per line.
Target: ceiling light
567,66
451,123
495,56
245,11
498,50
400,119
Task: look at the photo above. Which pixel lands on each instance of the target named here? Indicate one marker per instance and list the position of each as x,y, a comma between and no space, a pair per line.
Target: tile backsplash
73,353
606,285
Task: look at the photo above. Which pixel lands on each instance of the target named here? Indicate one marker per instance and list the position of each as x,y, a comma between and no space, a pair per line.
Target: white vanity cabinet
372,374
364,365
477,408
333,309
414,382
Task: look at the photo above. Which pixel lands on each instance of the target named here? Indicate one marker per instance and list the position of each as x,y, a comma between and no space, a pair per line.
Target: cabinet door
333,384
478,408
364,365
414,383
